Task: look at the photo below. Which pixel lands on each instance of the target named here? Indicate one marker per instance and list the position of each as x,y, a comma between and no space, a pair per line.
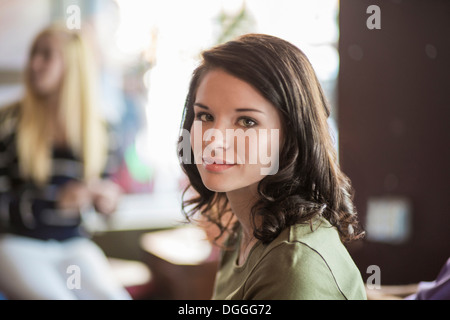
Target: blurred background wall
394,116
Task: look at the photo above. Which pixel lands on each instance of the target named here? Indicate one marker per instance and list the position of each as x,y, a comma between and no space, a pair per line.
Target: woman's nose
216,137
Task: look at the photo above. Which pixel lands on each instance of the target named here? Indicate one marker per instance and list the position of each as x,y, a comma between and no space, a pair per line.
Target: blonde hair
85,133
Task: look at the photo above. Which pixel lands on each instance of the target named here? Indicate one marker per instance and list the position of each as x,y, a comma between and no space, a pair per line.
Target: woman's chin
217,187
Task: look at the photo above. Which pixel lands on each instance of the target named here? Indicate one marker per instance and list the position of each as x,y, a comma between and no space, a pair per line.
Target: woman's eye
247,122
204,117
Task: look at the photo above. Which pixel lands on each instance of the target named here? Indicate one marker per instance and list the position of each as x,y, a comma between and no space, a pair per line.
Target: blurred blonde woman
53,167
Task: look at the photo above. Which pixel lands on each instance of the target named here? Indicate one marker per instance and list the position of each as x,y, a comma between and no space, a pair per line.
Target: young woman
53,156
286,219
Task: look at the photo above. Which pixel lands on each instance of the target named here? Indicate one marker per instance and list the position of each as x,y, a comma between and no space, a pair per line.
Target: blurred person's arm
106,192
106,195
391,292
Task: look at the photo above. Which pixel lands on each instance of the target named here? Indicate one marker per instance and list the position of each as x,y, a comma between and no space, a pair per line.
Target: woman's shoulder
9,115
315,235
10,110
314,256
318,240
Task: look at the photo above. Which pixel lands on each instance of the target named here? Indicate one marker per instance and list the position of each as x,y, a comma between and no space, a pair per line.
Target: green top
298,264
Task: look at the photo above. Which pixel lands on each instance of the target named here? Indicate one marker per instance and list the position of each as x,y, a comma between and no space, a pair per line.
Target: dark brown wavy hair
309,182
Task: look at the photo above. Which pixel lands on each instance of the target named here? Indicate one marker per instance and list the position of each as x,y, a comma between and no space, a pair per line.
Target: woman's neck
50,101
241,202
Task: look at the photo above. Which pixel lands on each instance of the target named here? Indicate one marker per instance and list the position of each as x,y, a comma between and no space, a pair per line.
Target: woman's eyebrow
201,105
248,110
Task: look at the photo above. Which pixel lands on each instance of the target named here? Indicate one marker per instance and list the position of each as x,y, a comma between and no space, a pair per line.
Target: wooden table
183,263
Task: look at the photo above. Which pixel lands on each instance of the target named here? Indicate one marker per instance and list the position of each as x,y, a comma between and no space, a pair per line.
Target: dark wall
394,127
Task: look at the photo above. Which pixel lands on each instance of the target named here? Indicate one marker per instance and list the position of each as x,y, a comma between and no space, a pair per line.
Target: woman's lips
216,166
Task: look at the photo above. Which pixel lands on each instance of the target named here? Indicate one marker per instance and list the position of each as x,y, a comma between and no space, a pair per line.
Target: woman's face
236,133
46,67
